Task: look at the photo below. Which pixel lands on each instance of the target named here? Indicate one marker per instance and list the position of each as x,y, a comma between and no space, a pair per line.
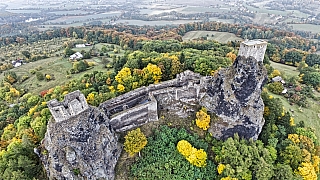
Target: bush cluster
161,160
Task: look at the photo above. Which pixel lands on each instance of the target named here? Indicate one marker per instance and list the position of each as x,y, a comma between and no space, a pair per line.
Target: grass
289,71
207,9
263,18
57,67
153,23
306,27
84,18
222,20
222,37
53,66
310,115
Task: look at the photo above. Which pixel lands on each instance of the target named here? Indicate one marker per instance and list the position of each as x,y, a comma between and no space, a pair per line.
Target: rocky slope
234,96
82,147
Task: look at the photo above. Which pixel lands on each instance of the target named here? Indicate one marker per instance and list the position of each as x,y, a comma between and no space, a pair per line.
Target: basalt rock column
234,96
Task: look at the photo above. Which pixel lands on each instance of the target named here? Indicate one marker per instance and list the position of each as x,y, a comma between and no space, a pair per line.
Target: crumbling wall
73,104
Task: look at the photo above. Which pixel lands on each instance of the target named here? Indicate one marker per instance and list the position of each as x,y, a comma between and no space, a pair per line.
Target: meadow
289,71
311,114
84,18
222,37
57,68
154,23
306,27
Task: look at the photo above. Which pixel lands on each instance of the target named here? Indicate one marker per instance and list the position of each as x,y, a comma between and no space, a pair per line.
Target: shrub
40,76
194,156
276,87
161,160
203,119
48,77
135,140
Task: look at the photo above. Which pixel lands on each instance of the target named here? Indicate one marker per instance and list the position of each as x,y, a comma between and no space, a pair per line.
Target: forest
285,149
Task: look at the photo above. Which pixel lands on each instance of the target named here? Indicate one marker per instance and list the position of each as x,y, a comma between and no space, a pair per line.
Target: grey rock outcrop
81,143
82,147
234,96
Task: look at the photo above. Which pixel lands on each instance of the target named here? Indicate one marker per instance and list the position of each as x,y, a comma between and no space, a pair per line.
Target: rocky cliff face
234,96
82,147
80,142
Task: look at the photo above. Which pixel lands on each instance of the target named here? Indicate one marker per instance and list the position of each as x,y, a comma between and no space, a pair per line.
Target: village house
75,56
17,62
80,45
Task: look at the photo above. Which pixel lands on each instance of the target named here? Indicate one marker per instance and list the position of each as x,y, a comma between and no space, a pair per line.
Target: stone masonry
233,95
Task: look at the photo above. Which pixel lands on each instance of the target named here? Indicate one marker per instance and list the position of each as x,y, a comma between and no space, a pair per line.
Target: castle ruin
73,104
83,137
142,105
254,48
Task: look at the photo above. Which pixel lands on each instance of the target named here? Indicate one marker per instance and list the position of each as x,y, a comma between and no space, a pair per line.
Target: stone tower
255,48
74,103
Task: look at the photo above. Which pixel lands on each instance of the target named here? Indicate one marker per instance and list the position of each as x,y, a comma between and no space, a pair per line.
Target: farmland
306,27
222,37
84,18
311,114
153,23
57,68
289,71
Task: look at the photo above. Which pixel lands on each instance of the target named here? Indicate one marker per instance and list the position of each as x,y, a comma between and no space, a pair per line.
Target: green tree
312,59
283,172
276,87
68,51
39,76
293,57
312,78
27,54
79,66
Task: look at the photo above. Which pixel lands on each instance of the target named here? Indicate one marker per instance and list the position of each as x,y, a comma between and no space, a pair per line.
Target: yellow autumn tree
275,73
203,119
307,171
90,98
123,75
152,73
48,77
228,178
135,140
231,56
120,88
220,168
194,156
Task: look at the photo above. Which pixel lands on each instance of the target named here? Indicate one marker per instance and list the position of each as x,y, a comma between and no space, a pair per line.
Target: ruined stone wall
73,104
133,117
257,50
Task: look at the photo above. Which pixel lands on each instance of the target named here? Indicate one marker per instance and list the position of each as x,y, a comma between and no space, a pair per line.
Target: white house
76,55
80,45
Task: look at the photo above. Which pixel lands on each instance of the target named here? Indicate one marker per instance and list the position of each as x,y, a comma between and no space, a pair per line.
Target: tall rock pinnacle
234,94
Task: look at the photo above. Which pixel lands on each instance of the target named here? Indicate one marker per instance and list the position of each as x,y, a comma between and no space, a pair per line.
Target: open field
222,37
230,21
57,67
72,19
73,12
309,115
263,18
289,71
154,23
206,9
306,27
24,11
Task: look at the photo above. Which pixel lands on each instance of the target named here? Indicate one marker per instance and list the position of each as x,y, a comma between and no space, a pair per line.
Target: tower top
255,48
254,42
